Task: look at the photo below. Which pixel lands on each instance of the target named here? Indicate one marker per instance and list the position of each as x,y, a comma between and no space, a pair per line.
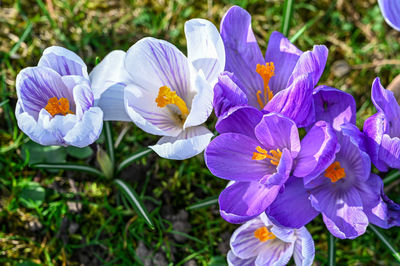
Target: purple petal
227,94
390,10
284,55
374,128
282,170
295,102
389,151
311,63
63,61
84,99
243,201
241,120
334,106
318,149
292,208
278,132
36,85
242,51
342,210
229,156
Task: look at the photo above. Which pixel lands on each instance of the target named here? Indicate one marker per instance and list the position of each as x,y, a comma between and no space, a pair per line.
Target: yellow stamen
263,234
166,96
261,154
335,172
58,106
266,72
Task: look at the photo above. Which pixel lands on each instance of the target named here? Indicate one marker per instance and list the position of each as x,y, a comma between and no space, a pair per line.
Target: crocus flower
260,242
391,12
55,101
282,82
164,92
383,129
259,152
346,194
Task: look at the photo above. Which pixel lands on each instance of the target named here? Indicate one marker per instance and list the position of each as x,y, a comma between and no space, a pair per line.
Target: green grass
105,229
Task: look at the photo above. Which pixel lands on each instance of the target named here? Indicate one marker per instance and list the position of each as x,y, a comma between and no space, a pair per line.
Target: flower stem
385,241
331,251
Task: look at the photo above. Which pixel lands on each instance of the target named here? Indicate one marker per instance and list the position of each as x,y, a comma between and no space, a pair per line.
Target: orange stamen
58,106
263,234
266,72
335,172
166,96
261,154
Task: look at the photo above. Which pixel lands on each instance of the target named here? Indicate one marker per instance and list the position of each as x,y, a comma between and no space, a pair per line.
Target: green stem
287,16
385,241
125,163
391,177
109,140
331,251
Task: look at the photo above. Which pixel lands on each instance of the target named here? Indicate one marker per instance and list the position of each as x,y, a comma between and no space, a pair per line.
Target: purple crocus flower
55,101
282,82
259,152
391,12
383,129
260,242
346,194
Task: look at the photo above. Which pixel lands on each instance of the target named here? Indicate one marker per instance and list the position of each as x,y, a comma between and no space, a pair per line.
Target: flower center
335,172
266,72
58,106
261,154
166,96
263,234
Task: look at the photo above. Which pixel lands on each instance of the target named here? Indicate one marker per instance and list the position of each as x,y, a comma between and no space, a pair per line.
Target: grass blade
287,16
69,166
391,177
305,27
383,238
134,200
24,35
4,102
109,141
331,250
203,203
125,163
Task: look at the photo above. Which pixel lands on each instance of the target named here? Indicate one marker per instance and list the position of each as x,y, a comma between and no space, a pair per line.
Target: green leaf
217,261
109,141
331,250
69,166
125,163
79,153
287,16
203,203
43,154
106,165
32,194
385,241
135,201
4,102
391,177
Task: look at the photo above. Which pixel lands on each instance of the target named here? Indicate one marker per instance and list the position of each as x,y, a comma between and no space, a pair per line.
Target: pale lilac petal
234,260
243,201
334,106
390,10
284,55
278,132
112,104
292,208
295,102
276,252
63,61
84,100
242,51
304,250
228,94
318,149
205,48
241,120
229,156
189,143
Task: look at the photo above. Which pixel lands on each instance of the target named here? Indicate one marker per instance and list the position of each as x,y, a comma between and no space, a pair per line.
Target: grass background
75,218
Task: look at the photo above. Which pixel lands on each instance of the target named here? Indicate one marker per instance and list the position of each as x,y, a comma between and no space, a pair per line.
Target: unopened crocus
55,101
282,82
259,152
383,129
164,92
391,12
260,242
346,194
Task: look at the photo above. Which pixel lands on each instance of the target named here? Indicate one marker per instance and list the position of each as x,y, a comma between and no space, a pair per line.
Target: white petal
205,48
112,104
304,250
189,143
153,63
234,260
202,103
110,71
276,252
141,107
63,61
